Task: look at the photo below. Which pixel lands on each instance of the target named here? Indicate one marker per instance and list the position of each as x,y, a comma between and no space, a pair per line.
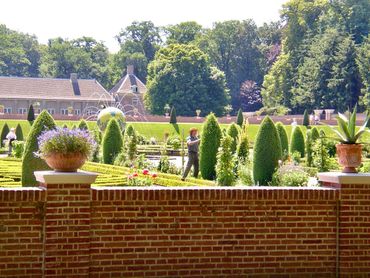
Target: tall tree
183,74
184,32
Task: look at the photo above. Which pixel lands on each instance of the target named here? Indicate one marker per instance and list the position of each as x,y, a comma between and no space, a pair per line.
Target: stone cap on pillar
52,177
344,178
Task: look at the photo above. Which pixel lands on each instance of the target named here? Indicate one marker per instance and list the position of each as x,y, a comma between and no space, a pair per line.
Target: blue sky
104,19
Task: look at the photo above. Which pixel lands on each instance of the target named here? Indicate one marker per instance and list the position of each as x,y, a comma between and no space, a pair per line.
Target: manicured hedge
283,139
112,142
233,131
297,143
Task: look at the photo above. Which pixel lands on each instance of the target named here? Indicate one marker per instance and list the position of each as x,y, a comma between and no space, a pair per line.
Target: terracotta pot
70,162
349,156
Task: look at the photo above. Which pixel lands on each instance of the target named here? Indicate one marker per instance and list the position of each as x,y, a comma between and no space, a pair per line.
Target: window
22,110
37,111
64,111
135,101
77,111
134,89
51,111
8,110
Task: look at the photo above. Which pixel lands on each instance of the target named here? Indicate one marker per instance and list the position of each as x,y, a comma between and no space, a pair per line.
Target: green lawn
149,129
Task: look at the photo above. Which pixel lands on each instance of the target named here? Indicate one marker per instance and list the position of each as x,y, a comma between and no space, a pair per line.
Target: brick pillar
354,222
67,223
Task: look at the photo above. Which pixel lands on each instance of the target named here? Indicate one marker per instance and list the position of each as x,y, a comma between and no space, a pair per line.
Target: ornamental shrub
19,132
306,119
314,134
242,150
210,141
112,142
83,125
297,143
4,133
233,131
225,163
173,119
240,118
283,140
18,149
31,115
30,162
266,153
309,145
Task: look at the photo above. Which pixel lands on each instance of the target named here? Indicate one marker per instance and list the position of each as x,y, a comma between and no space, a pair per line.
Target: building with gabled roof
129,93
58,96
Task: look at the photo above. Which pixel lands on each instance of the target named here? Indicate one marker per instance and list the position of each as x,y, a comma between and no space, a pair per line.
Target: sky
103,19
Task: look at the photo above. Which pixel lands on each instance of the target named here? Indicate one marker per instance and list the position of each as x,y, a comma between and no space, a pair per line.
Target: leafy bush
296,158
315,134
83,125
240,118
225,163
112,142
266,153
174,142
283,140
30,162
18,148
297,143
306,119
294,176
165,166
210,141
309,144
19,133
4,133
242,150
131,148
320,156
233,131
97,138
273,111
173,119
245,174
31,115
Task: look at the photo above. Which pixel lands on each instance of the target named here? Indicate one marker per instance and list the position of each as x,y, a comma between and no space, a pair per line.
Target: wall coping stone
344,178
179,188
52,177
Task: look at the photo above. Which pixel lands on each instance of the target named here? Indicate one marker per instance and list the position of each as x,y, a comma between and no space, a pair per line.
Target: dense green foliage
173,117
306,118
240,118
210,141
266,152
283,140
297,143
83,125
31,115
234,132
30,162
4,132
183,74
315,134
242,151
19,133
112,142
309,145
225,175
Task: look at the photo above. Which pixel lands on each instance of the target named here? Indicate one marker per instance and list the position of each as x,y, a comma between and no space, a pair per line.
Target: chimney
75,86
130,69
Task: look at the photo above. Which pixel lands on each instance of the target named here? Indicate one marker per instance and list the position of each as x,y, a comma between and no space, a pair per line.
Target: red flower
145,172
135,174
154,175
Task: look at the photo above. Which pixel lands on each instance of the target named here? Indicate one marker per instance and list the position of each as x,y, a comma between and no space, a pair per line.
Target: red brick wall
207,232
72,230
21,232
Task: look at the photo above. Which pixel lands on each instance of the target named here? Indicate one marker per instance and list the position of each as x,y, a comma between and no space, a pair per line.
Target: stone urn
349,156
69,162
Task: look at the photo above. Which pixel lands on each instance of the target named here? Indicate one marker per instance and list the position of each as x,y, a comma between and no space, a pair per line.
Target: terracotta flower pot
70,162
349,156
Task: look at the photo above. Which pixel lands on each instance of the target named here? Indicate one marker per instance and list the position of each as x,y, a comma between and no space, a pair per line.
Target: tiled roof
51,88
125,84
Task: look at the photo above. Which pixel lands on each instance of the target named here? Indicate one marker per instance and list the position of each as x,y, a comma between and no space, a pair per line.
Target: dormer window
134,89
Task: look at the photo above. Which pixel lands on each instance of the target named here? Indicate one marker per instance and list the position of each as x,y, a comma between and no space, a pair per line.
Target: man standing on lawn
193,149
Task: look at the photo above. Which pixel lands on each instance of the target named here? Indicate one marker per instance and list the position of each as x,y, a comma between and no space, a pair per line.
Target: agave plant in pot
349,149
65,150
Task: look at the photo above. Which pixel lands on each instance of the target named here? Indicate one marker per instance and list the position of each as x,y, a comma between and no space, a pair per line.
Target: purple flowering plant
66,141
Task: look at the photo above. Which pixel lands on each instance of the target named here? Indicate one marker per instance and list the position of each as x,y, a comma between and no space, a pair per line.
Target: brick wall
74,231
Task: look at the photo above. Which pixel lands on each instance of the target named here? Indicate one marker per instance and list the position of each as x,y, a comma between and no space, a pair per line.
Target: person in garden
11,136
193,149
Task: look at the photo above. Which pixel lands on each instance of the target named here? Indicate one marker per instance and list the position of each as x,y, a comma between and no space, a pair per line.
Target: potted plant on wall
65,150
349,149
